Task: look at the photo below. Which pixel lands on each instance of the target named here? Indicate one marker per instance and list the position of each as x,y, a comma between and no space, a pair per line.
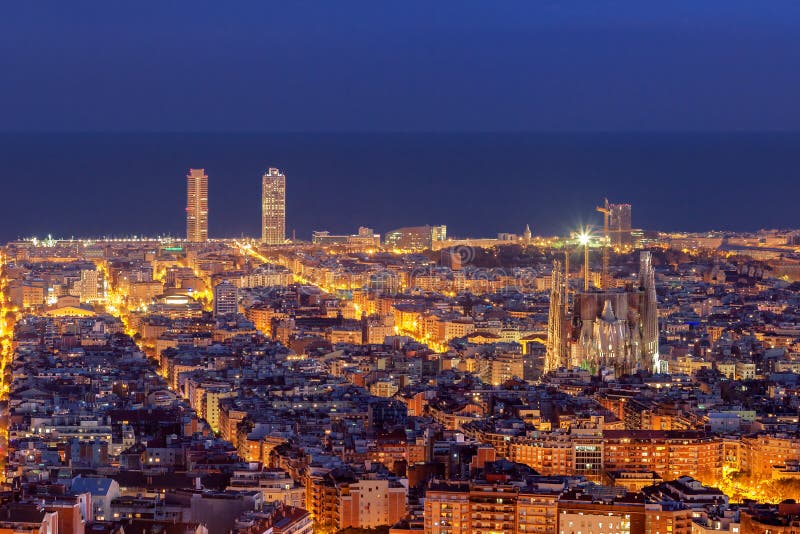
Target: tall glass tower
273,207
197,206
620,225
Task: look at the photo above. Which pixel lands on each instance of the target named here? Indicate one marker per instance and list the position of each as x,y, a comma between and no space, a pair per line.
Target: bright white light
583,238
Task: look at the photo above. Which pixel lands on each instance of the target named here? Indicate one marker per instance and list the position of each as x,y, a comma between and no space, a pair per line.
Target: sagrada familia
604,329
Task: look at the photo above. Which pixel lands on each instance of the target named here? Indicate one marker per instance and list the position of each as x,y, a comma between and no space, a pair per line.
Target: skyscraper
197,206
226,299
273,207
619,225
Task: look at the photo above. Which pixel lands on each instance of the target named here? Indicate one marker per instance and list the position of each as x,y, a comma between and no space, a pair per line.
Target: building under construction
605,329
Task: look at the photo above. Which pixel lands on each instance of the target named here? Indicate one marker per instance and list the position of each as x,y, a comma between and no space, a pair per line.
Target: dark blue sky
343,65
722,66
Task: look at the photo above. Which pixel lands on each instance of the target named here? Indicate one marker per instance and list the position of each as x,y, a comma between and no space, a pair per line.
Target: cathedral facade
604,330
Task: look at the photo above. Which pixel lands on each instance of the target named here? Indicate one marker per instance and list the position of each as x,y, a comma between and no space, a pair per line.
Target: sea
478,184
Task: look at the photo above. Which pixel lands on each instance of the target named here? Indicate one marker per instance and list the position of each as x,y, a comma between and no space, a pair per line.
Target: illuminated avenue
611,380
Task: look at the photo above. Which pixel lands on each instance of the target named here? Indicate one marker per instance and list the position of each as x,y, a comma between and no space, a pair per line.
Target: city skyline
455,267
546,181
660,322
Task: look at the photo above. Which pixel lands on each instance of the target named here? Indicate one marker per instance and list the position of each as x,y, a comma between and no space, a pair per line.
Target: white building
226,299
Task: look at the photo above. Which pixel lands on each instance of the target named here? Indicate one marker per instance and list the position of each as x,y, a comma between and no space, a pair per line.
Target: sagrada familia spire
614,329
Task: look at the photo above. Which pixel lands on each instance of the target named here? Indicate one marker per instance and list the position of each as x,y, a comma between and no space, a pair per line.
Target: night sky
412,65
715,68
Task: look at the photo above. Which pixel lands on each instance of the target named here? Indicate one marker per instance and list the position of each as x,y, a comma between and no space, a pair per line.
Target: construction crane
606,211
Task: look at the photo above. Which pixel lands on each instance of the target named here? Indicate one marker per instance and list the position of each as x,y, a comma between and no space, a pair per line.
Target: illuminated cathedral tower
613,330
555,356
647,282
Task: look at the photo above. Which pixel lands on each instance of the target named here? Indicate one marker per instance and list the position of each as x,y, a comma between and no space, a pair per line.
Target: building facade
604,330
197,206
273,207
226,299
619,225
462,507
416,237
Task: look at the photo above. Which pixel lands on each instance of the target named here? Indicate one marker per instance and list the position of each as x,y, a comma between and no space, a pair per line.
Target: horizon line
457,238
588,131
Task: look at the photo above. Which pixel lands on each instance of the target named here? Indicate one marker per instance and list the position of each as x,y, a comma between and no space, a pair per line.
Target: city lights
333,268
416,329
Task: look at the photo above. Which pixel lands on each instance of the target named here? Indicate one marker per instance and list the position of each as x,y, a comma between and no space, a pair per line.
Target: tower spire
526,235
605,209
556,325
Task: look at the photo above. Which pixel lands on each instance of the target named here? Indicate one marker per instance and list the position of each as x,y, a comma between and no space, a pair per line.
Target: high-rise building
226,299
611,329
197,206
619,225
89,285
273,207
